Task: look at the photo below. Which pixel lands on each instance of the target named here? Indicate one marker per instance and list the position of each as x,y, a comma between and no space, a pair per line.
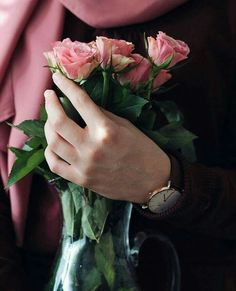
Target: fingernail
47,93
57,77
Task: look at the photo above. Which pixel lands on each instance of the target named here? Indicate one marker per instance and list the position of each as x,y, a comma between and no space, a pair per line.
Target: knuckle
46,127
58,121
46,153
81,99
53,143
74,157
108,135
52,163
53,166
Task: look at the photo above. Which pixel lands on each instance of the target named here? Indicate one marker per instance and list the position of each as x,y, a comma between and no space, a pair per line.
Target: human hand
109,156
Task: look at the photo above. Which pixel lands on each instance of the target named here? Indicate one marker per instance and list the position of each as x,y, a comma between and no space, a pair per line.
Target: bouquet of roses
123,83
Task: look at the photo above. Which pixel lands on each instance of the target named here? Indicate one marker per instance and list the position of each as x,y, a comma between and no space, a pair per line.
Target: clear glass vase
83,264
108,263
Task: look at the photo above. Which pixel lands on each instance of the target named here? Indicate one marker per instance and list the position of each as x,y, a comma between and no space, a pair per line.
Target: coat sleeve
208,205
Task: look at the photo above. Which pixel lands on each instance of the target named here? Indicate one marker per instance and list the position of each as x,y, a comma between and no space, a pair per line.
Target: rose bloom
114,52
164,46
76,59
140,73
161,79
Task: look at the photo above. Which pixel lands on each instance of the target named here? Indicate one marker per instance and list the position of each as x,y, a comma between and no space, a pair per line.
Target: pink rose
76,59
114,52
161,78
139,74
52,62
161,48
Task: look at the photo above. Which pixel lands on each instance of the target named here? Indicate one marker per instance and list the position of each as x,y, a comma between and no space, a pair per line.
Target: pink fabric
25,82
111,13
28,27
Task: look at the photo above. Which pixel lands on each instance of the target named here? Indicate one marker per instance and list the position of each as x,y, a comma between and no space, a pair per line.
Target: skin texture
109,156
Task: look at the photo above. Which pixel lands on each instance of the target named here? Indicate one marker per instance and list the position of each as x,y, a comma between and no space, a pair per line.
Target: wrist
165,200
159,178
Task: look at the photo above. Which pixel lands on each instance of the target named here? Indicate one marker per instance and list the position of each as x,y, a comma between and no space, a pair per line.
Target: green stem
88,195
152,77
105,90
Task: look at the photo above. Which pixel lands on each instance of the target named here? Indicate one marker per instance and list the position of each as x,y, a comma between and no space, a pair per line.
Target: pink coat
27,28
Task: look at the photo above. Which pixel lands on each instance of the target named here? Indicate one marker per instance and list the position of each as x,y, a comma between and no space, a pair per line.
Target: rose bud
164,47
161,78
139,74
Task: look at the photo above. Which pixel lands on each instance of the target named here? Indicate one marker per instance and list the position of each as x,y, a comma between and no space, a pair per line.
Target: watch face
164,200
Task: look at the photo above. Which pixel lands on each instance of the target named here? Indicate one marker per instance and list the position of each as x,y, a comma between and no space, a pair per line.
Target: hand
109,156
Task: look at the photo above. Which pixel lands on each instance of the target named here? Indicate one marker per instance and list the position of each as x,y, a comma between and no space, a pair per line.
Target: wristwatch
164,201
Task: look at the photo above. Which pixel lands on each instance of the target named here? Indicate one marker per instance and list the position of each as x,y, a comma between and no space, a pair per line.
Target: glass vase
83,264
107,263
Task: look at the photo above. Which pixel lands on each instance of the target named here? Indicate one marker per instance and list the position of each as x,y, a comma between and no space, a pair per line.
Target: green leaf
32,128
77,195
105,257
178,133
27,162
43,114
180,139
72,202
126,105
92,280
88,223
94,87
166,63
33,143
68,209
171,111
147,119
18,152
94,217
102,207
157,137
70,110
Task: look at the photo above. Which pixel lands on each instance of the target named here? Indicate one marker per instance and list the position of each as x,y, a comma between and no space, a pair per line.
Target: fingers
57,165
59,146
64,170
60,122
89,111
